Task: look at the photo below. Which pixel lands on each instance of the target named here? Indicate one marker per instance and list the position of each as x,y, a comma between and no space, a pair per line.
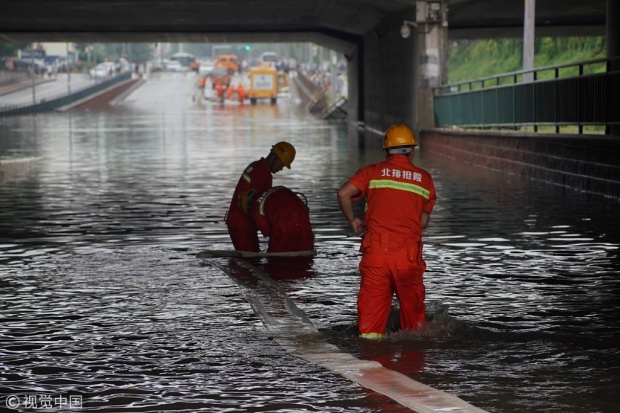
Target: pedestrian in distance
399,200
255,179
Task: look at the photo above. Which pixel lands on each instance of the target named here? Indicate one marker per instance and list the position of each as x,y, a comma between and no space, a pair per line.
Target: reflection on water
101,296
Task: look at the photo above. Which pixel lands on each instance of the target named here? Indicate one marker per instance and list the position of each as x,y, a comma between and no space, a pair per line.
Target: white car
174,66
102,70
206,67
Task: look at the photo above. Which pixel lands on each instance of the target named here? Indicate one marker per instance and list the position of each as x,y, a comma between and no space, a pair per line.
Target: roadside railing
337,110
581,94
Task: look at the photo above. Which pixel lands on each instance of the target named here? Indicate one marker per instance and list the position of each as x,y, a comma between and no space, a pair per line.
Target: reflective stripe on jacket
257,176
396,193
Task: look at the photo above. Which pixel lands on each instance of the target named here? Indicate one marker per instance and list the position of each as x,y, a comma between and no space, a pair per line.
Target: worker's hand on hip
358,227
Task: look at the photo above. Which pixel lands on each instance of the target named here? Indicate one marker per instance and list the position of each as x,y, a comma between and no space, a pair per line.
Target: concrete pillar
613,30
355,79
432,46
529,35
612,39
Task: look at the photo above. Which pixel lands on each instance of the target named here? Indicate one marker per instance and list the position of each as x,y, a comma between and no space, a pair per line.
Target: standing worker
399,200
284,217
256,179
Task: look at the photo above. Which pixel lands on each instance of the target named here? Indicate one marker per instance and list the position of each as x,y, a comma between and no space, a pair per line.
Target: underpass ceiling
275,20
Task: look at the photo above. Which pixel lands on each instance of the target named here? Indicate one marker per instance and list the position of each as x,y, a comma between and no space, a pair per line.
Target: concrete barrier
68,100
586,163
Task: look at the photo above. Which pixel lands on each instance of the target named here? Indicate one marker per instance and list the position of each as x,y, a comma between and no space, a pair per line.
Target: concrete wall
612,40
388,71
10,76
585,163
399,74
355,100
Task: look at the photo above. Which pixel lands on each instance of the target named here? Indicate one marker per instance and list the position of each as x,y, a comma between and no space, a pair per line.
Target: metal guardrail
337,110
63,100
581,93
318,101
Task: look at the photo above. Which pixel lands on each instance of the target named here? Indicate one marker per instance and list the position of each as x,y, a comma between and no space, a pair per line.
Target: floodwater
103,300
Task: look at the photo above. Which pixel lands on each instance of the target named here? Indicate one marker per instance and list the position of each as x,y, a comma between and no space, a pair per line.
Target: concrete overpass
390,77
384,69
227,20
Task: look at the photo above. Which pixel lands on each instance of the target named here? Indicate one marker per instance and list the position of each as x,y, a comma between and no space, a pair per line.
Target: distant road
59,86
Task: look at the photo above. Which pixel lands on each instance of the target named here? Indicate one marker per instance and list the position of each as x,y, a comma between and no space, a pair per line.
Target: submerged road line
294,331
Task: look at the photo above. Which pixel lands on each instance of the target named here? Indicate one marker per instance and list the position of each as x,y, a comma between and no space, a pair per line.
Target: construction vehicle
264,84
186,60
224,68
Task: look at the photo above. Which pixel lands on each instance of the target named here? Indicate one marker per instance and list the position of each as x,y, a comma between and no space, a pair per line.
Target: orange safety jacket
283,217
396,194
241,93
220,89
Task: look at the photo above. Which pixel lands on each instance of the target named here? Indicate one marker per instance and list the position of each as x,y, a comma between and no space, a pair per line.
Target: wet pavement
102,297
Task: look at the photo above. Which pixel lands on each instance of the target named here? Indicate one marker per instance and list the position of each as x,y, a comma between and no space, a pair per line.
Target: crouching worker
283,216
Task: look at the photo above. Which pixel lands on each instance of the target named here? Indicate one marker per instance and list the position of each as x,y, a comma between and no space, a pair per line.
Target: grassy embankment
469,60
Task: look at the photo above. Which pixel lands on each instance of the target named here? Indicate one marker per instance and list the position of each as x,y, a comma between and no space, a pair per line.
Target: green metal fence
582,93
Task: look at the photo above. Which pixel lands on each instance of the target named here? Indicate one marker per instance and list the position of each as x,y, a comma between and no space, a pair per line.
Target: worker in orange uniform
284,217
399,200
256,179
242,94
220,89
231,90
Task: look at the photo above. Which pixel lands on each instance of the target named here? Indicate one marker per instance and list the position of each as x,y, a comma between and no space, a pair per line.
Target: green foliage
10,49
134,52
469,60
101,52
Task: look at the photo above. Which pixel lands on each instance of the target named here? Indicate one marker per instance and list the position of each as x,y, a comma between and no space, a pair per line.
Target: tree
10,49
140,52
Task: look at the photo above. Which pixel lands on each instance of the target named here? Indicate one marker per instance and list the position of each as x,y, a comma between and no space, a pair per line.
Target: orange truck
225,66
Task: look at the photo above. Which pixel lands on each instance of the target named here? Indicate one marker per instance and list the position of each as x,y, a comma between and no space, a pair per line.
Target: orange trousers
377,287
388,268
243,231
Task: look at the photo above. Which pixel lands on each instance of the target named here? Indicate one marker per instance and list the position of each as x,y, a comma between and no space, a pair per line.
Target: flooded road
101,295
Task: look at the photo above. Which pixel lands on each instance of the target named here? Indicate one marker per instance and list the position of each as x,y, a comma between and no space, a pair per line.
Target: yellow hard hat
398,135
285,151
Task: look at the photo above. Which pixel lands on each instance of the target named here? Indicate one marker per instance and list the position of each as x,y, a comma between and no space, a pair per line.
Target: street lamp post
68,64
34,97
89,49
